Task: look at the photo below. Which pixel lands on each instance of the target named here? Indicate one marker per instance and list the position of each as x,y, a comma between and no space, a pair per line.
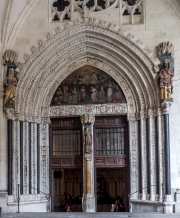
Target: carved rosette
87,118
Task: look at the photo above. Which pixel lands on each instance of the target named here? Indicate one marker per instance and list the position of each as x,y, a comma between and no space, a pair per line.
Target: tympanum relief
88,85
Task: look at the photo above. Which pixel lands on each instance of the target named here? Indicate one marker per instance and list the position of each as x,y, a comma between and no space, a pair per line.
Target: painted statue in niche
166,74
88,85
10,88
166,52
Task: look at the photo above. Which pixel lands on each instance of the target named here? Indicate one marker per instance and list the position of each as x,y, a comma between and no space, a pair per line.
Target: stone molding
39,78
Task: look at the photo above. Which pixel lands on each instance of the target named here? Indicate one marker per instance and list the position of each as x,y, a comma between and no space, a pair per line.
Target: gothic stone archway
122,56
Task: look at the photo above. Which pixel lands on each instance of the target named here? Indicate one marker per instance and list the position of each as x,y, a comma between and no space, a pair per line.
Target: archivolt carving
97,43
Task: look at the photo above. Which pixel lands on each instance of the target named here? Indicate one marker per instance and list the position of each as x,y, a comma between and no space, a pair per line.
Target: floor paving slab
89,215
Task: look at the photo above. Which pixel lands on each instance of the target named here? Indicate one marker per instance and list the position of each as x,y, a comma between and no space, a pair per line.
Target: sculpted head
11,72
166,63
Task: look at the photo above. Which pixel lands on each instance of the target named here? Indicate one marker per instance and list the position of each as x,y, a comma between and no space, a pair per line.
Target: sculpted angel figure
87,140
10,87
166,75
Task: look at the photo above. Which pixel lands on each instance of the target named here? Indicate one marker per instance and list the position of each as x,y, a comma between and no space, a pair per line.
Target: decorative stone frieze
76,110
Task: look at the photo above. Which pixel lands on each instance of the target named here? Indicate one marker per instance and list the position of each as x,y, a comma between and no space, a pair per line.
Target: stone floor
88,215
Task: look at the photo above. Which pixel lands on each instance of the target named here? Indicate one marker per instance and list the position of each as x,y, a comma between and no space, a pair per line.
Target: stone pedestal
177,201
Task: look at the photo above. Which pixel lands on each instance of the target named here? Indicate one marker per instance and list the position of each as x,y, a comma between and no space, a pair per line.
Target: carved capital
10,113
10,56
87,118
88,156
131,117
45,120
151,112
159,112
166,106
143,114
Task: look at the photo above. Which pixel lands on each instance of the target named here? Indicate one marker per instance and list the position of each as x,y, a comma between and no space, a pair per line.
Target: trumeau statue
10,88
87,141
165,75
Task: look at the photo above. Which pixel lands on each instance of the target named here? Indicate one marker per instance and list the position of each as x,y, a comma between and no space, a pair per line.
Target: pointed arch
101,44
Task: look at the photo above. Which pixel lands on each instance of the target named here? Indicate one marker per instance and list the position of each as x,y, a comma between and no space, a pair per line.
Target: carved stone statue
87,141
10,88
166,75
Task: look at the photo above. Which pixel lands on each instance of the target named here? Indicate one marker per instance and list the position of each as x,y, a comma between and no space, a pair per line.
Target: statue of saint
87,140
166,75
10,87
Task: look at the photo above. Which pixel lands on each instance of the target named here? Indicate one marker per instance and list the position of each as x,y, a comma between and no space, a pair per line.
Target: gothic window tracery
73,9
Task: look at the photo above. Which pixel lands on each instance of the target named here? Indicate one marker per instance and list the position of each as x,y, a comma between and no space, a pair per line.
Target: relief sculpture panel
88,85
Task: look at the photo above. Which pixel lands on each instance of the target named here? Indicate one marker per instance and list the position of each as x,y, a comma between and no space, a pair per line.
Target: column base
3,201
89,203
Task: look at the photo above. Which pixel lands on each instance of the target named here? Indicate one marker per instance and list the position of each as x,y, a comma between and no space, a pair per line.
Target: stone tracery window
132,10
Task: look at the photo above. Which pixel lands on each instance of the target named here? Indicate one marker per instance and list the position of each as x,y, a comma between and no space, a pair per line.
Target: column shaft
167,155
143,159
152,158
160,153
10,155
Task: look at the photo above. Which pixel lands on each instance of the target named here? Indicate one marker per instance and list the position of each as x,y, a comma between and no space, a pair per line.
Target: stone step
88,215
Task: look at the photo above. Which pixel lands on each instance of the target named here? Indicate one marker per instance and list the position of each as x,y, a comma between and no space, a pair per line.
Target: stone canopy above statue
88,85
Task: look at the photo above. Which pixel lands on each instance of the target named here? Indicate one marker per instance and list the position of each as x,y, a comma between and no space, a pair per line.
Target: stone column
89,200
133,154
152,159
143,155
3,156
168,200
166,107
160,151
44,155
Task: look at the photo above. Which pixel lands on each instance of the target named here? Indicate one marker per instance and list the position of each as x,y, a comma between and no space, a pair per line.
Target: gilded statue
10,88
166,75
